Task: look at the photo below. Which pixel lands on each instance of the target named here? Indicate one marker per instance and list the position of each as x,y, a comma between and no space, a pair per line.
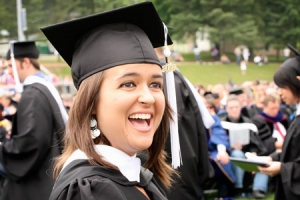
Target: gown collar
129,166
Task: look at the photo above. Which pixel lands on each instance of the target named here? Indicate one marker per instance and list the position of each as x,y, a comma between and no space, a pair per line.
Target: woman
286,165
219,151
120,108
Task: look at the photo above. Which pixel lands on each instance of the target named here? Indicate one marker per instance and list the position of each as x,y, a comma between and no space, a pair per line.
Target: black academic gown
265,130
288,182
196,167
82,181
27,156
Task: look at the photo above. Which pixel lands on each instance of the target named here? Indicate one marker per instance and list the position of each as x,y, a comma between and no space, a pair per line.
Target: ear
298,77
26,62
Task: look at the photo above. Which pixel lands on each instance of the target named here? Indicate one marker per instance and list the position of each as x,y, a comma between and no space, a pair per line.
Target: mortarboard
23,49
236,91
121,36
98,42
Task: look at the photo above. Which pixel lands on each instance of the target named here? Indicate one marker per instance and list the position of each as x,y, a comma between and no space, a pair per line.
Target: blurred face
233,109
20,70
287,96
131,106
272,108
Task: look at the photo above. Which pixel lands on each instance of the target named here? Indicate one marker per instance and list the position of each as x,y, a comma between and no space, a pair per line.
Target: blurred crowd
252,102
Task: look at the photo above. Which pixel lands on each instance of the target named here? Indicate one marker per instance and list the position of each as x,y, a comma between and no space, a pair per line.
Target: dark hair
285,76
211,101
33,61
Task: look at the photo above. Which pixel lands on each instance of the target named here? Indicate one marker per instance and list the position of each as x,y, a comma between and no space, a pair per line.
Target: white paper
241,136
239,133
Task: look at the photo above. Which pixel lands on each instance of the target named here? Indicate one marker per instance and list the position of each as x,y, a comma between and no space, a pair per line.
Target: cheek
160,102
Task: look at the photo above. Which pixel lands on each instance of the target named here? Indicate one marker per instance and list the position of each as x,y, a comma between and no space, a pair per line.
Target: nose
146,97
279,91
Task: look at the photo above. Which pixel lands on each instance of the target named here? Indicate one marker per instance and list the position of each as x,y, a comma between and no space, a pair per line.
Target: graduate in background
37,129
219,151
120,107
285,166
196,167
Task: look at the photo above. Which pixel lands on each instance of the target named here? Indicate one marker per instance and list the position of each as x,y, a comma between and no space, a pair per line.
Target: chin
142,144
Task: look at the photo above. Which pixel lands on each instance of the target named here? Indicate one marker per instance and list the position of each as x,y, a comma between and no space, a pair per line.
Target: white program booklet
239,133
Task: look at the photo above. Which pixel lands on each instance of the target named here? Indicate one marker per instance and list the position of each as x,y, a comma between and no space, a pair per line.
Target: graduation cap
292,63
121,36
209,93
23,49
236,91
293,49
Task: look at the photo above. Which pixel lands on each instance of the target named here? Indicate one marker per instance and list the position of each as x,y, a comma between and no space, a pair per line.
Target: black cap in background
26,49
236,91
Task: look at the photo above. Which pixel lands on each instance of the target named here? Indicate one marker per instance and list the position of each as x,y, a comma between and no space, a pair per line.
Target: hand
272,170
278,144
223,157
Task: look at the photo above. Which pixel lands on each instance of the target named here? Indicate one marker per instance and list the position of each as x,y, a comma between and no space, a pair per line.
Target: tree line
255,23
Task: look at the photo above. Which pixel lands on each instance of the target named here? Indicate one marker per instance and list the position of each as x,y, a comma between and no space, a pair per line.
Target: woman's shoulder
81,180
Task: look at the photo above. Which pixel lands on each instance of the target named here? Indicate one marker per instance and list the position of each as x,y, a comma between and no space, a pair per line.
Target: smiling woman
120,108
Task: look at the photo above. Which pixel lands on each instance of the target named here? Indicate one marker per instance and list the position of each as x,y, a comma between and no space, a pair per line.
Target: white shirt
129,166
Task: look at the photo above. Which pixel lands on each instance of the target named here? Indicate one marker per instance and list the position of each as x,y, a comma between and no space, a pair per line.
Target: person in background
246,54
286,53
219,152
10,106
271,123
215,54
260,182
258,60
238,54
196,51
37,129
285,165
243,67
224,59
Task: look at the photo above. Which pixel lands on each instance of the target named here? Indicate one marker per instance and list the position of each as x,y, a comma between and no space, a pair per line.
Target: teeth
140,116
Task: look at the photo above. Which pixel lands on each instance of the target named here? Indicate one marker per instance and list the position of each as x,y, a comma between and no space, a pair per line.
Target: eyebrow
137,75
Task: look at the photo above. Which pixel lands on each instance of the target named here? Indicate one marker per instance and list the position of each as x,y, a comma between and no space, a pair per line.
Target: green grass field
219,73
205,74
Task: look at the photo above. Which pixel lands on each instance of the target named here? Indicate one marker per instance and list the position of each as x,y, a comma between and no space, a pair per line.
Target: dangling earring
95,132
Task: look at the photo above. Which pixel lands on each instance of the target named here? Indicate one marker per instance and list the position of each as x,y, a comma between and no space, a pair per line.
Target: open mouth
141,122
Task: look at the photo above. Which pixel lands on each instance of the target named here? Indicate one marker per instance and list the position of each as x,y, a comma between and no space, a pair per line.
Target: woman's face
131,105
287,96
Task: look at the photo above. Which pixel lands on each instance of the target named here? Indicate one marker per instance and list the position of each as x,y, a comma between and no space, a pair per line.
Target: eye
156,85
128,85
